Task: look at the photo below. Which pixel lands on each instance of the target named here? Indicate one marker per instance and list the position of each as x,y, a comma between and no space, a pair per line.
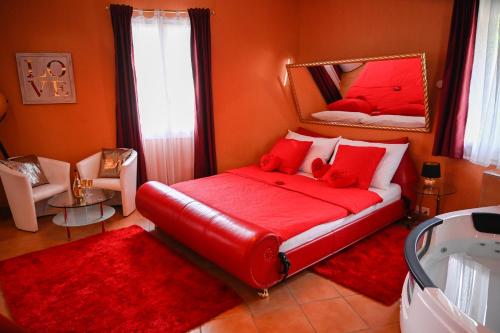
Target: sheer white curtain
482,132
162,57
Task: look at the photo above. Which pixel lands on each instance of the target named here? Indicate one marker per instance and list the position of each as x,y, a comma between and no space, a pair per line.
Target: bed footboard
245,250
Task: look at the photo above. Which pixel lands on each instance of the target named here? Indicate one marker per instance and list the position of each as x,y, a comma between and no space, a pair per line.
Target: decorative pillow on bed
292,154
321,148
319,168
402,171
388,165
341,178
351,104
360,162
269,162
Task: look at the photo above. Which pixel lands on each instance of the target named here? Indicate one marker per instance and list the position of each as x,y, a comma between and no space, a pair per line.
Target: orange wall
338,29
249,50
308,96
251,41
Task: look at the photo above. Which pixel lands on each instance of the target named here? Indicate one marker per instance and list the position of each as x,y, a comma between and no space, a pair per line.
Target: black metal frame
411,256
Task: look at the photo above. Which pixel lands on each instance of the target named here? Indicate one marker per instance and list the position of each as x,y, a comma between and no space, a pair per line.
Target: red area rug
124,280
374,267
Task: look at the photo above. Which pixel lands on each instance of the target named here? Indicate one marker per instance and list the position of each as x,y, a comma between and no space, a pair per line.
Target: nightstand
438,190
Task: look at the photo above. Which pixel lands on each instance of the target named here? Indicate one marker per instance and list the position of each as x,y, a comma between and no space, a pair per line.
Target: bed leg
263,293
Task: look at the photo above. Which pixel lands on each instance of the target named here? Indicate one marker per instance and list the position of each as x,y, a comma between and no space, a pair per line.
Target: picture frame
46,78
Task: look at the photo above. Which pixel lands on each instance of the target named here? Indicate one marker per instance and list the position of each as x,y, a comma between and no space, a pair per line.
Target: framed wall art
46,78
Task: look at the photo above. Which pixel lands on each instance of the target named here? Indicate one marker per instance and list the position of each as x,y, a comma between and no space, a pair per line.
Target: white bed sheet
366,119
395,120
390,195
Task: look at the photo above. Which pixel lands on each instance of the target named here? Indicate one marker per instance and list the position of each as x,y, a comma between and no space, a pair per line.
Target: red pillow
269,162
292,154
358,161
342,179
405,164
351,104
319,168
416,110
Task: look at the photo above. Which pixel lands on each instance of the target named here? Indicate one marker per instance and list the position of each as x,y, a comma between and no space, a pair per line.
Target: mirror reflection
386,92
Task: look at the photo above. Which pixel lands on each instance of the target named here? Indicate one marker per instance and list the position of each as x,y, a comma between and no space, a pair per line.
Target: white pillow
388,164
321,147
342,116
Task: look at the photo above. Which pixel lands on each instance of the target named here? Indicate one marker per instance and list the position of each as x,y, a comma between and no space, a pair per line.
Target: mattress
390,195
394,120
286,205
366,119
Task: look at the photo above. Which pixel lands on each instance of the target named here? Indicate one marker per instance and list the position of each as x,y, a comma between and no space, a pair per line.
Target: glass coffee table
82,211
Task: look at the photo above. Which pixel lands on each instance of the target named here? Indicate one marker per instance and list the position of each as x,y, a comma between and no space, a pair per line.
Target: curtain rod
168,11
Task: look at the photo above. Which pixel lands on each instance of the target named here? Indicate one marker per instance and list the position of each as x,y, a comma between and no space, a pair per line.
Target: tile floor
304,303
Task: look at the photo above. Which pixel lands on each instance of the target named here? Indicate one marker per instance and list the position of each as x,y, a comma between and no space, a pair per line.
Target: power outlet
425,210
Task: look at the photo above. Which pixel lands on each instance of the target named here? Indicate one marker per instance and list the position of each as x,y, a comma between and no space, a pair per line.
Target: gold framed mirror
388,92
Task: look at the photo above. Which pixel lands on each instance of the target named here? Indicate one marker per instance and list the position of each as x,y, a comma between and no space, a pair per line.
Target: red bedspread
284,204
388,84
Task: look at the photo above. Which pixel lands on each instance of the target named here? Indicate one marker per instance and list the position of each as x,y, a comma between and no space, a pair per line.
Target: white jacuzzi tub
454,279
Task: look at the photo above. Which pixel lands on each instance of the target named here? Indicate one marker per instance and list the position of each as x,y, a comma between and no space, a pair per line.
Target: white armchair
27,203
126,185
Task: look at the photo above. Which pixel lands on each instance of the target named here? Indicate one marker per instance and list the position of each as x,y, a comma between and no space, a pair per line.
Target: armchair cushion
107,183
30,167
48,190
112,160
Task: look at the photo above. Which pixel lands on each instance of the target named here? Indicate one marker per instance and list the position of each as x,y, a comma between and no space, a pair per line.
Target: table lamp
431,171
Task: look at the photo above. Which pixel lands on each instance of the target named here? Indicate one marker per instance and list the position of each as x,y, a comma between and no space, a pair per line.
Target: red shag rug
124,280
374,267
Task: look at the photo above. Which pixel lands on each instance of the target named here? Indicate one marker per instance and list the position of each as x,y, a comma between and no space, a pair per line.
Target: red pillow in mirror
351,104
291,153
360,162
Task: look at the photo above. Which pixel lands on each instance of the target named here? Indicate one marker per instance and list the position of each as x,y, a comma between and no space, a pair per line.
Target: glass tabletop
440,188
91,197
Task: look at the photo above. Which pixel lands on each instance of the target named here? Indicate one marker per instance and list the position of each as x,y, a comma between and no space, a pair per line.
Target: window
165,93
482,132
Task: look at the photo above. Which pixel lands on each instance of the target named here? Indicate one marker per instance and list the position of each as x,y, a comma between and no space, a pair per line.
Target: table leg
68,233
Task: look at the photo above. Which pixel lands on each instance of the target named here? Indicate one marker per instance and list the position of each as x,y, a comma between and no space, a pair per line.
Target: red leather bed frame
247,251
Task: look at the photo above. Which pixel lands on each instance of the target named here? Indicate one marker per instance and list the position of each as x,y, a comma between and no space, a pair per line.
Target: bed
263,227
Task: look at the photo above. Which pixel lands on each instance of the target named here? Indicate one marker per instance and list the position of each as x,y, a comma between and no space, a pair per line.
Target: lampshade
431,170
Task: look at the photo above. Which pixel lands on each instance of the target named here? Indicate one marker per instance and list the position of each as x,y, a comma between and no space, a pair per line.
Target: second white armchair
125,186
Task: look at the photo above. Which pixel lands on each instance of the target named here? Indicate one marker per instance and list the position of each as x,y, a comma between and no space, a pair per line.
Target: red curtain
449,139
325,84
128,133
205,163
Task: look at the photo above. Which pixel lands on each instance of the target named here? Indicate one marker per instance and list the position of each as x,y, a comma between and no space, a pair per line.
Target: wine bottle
77,186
